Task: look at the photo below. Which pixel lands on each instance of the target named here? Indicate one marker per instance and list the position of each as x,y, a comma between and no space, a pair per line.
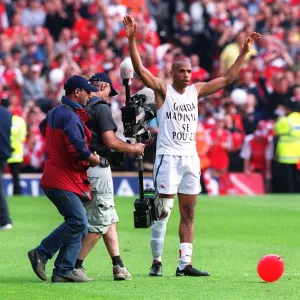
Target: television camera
139,110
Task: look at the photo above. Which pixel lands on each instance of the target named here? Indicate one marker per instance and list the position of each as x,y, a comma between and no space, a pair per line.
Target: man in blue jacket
5,152
64,180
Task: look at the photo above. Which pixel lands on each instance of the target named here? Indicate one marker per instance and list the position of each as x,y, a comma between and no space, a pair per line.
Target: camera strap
88,107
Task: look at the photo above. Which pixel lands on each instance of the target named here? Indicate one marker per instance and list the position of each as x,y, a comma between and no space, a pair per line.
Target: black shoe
190,271
73,277
37,264
156,269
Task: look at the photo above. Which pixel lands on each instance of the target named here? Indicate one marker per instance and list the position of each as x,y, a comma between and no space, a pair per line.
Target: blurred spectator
16,53
198,74
278,94
257,151
56,18
33,15
34,54
117,8
66,41
235,164
34,151
16,29
296,66
86,30
296,93
291,46
5,46
4,96
4,23
17,139
157,9
202,149
250,115
250,86
287,130
34,85
183,34
11,77
33,114
231,52
231,109
198,14
219,141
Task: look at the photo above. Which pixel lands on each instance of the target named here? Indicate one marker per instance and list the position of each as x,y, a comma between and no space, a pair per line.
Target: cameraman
101,213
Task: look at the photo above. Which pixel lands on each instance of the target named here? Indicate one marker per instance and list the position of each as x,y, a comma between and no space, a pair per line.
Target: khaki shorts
101,212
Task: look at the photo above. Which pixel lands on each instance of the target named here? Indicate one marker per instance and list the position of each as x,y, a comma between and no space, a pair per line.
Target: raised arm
211,87
147,78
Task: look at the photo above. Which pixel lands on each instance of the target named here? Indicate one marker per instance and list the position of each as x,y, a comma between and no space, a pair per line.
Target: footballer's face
181,73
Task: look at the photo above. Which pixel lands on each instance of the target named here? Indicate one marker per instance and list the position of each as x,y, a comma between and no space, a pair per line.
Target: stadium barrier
126,184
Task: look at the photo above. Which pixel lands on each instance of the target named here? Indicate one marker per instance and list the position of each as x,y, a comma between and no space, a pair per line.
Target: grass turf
231,235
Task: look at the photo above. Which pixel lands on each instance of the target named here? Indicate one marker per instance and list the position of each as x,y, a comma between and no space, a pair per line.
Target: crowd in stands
44,42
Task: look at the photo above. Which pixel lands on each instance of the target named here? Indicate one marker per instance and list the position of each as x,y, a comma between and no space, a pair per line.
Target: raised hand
130,26
250,40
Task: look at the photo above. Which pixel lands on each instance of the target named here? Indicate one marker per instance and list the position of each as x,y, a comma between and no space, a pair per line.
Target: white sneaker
81,273
6,227
121,273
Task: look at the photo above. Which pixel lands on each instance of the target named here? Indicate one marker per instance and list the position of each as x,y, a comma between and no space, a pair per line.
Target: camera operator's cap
104,78
79,82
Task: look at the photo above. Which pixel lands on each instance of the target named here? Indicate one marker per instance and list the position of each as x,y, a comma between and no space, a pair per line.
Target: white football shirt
177,120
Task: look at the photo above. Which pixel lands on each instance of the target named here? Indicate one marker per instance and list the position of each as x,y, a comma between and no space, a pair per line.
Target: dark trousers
4,212
15,169
286,178
67,237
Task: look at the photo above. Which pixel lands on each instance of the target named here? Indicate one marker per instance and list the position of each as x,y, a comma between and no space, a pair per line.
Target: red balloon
270,268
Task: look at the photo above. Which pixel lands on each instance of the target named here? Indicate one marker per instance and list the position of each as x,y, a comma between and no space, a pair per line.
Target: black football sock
116,260
78,264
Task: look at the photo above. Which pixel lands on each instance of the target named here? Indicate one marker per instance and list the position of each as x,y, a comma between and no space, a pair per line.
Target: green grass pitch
231,235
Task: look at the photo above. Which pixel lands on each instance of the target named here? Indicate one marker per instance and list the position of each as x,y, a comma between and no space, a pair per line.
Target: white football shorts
174,174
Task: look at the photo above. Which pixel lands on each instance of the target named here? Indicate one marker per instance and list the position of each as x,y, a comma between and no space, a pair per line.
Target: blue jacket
67,150
5,130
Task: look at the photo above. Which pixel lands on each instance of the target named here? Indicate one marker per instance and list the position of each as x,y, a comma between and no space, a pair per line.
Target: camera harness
104,162
89,106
